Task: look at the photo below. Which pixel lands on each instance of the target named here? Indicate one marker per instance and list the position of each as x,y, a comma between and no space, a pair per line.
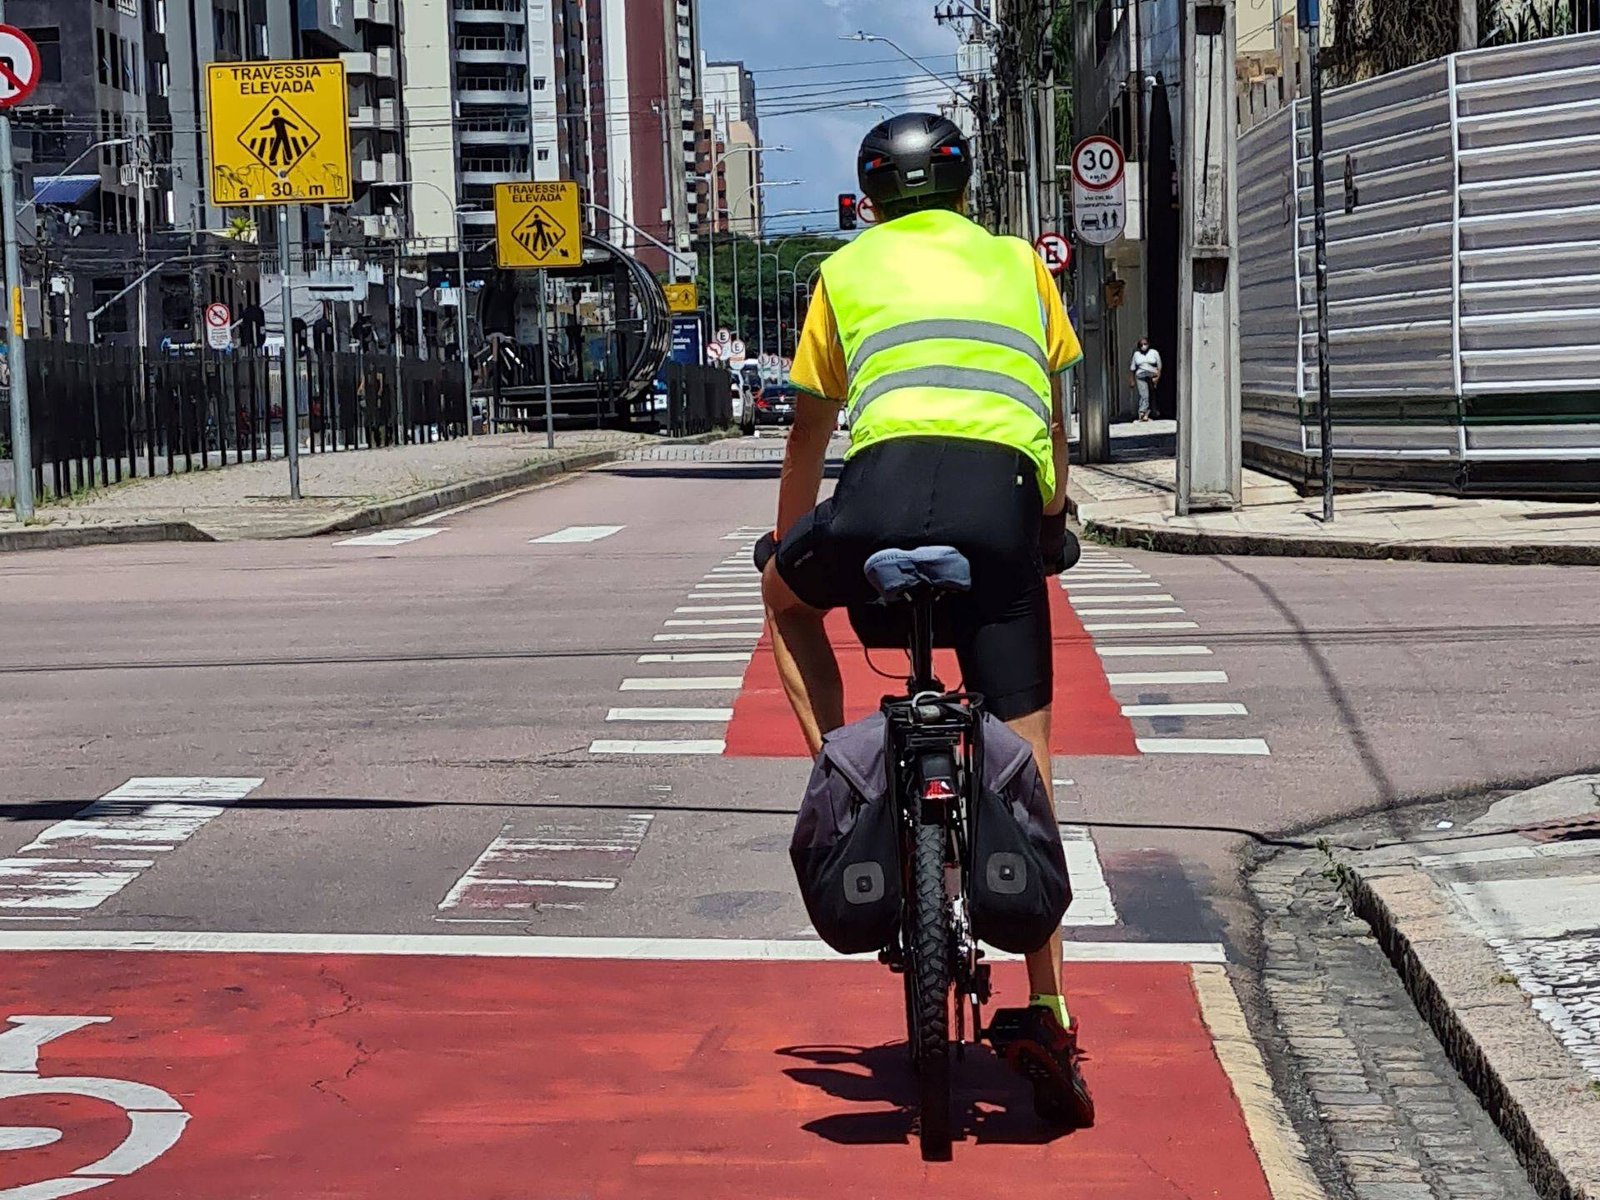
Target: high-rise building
730,106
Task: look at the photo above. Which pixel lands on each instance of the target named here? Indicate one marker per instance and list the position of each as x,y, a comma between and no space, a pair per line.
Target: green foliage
1066,62
790,252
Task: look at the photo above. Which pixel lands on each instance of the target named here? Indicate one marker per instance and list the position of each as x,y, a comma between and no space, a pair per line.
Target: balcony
495,90
487,175
377,63
493,132
503,12
489,50
378,171
380,225
375,12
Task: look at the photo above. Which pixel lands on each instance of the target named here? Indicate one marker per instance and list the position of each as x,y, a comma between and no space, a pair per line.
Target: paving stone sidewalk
1129,501
344,490
1492,917
1382,1110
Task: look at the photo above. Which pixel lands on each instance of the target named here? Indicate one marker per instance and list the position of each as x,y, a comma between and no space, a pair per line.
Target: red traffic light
847,210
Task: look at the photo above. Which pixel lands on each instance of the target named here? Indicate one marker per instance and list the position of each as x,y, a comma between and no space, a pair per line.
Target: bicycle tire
929,972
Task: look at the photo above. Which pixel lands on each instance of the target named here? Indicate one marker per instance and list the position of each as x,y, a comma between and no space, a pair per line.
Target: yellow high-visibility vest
943,333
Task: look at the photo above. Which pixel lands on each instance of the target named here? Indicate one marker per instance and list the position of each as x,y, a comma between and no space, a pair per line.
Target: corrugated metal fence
1464,275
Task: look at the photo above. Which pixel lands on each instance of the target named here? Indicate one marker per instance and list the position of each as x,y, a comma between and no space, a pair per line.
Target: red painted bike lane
1088,718
413,1077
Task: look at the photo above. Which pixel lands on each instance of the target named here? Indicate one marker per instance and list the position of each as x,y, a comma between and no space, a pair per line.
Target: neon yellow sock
1056,1004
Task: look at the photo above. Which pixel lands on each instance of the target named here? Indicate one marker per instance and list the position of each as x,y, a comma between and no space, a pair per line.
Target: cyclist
946,344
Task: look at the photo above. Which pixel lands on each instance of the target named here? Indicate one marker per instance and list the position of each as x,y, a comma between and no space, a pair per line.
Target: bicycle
935,757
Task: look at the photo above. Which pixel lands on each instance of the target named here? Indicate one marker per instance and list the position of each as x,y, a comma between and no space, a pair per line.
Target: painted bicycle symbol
155,1119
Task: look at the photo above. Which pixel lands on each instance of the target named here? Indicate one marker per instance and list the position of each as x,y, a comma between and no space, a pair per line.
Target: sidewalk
1495,928
349,490
1129,501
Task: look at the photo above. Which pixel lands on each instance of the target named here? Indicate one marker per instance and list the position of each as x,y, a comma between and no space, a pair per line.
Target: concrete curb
47,538
1185,541
1539,1098
386,513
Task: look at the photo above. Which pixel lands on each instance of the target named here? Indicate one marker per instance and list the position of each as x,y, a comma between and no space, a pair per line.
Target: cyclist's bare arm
1058,445
804,458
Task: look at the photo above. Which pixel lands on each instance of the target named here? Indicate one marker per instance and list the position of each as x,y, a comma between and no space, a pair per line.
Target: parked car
744,414
775,405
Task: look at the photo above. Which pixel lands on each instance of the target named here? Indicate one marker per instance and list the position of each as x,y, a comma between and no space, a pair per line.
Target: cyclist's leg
807,666
1044,964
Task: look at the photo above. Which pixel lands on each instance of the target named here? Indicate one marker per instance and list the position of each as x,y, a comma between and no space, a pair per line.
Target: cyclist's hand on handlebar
765,549
1058,548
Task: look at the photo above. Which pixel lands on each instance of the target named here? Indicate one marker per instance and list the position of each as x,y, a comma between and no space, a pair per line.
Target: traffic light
847,210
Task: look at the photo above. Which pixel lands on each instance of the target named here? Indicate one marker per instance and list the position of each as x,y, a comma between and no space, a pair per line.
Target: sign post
1099,190
219,327
19,76
279,134
1310,20
537,227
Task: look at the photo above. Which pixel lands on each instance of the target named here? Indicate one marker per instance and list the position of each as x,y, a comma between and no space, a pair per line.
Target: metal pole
544,355
21,445
461,326
761,297
394,350
291,381
1319,194
141,146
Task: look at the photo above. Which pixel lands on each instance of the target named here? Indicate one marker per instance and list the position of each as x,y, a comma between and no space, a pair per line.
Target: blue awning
65,190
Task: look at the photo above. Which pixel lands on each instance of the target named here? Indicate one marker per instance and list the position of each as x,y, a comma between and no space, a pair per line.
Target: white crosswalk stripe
80,863
684,683
667,746
670,714
576,534
391,537
546,863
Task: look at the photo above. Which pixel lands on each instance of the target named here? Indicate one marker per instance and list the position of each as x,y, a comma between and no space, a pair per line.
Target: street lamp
711,246
732,210
461,282
859,36
38,184
887,111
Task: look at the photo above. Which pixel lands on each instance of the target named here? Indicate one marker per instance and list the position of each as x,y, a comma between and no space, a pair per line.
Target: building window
544,154
130,80
49,42
538,83
103,64
115,318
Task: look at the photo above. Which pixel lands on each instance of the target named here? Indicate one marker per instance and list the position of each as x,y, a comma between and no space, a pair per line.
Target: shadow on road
990,1103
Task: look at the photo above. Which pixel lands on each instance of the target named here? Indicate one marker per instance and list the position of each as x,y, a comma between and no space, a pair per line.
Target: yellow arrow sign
279,133
537,225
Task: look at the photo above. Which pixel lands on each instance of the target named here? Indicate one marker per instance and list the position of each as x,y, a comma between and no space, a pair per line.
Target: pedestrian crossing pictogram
539,233
537,225
279,137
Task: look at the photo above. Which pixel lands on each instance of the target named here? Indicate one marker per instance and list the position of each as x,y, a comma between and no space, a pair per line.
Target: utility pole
1310,21
21,442
1209,439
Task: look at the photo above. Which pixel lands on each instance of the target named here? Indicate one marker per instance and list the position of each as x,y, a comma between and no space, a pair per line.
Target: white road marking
720,586
1120,588
492,946
753,594
720,656
670,714
1160,611
1249,746
731,635
520,867
1091,898
685,746
1137,626
731,573
1164,678
1185,710
690,608
576,533
1106,577
80,863
1156,599
1153,651
683,683
690,622
389,537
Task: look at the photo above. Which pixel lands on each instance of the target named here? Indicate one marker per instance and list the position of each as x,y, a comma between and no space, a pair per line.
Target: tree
790,251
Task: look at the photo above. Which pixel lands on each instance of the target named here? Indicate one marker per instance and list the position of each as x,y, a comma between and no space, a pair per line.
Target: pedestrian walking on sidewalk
1144,373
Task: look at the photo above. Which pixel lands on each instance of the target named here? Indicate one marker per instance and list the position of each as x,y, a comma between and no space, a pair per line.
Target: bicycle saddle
897,574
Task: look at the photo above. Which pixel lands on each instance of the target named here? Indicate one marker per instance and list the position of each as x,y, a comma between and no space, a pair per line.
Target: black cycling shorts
981,498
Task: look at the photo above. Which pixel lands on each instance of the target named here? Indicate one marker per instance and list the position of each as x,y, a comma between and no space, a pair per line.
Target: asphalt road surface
249,790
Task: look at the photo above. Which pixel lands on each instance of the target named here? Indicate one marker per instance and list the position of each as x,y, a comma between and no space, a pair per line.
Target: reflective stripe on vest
943,336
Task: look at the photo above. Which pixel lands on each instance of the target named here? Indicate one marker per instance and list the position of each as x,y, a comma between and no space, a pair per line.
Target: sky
805,109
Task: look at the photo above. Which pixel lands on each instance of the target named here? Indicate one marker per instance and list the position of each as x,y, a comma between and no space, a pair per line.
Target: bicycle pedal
1005,1027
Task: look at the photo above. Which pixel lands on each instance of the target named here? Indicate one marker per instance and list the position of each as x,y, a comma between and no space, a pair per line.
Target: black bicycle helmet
912,159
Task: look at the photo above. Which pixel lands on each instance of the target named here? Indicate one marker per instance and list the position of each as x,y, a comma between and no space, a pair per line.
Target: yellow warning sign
279,133
681,297
537,225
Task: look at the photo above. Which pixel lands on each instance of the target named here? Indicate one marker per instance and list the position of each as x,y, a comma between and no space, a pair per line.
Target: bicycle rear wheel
928,989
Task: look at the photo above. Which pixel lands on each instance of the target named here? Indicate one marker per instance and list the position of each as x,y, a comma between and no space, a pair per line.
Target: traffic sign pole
291,372
544,354
21,437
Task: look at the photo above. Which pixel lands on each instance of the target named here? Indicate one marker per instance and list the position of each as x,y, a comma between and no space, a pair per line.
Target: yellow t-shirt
819,367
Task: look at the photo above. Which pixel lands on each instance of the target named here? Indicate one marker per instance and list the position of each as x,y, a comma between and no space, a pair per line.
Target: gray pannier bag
846,856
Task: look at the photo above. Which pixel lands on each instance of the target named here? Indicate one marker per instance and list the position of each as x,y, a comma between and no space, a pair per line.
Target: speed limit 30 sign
1098,164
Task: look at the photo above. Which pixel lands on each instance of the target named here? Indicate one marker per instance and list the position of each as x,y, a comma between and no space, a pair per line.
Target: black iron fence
95,422
699,399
